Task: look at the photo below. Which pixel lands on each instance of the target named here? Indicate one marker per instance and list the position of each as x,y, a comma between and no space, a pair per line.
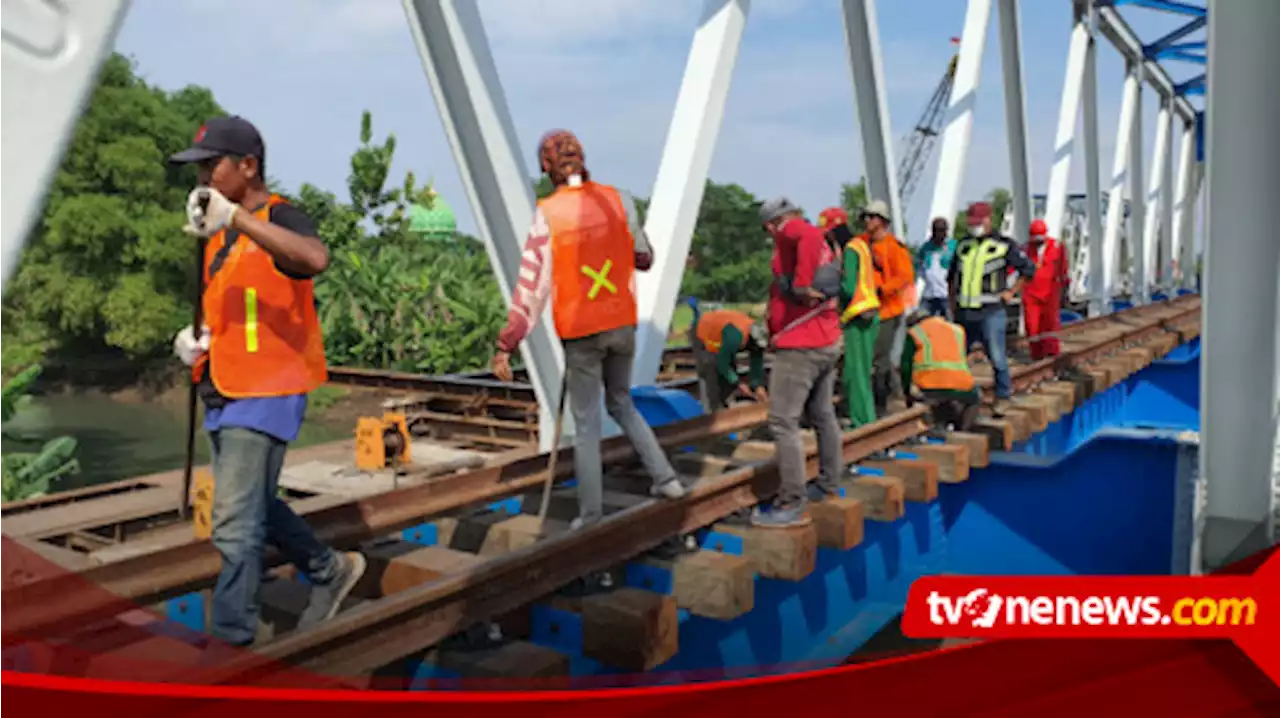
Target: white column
1164,273
1155,192
1238,378
1137,196
1093,180
1195,220
1115,200
52,54
1065,140
1015,112
455,53
862,42
959,122
1183,211
682,176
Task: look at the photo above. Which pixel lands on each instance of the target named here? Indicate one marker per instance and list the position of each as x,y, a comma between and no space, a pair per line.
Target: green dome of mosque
436,223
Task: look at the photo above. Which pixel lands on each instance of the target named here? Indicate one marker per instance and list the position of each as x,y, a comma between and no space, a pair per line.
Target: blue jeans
247,514
987,326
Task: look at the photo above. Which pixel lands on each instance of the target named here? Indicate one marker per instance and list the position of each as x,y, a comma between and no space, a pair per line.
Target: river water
118,439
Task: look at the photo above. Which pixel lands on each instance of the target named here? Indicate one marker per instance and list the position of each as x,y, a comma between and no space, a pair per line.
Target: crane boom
918,146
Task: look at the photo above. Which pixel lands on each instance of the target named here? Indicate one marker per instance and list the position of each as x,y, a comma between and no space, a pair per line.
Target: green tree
1000,200
390,298
730,255
107,267
28,475
853,198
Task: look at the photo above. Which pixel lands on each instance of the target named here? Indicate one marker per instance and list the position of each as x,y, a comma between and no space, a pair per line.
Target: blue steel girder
1182,56
1181,8
1194,86
1167,42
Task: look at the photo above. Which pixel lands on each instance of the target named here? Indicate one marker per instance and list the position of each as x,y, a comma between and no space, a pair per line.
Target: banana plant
27,475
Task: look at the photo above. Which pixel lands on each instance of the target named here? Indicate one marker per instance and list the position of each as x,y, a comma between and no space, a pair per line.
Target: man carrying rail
717,337
934,362
582,253
258,355
805,328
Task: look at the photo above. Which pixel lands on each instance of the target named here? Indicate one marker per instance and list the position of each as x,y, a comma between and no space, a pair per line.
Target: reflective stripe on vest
932,337
974,258
710,329
592,260
265,337
864,289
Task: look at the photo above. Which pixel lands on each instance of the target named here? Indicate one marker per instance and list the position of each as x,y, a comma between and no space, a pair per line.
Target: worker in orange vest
935,370
1042,296
257,356
582,253
717,337
859,316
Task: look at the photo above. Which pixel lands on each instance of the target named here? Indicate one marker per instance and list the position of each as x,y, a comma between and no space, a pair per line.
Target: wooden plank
631,629
979,447
788,554
839,522
1064,390
1020,419
883,497
711,584
999,432
1049,402
400,565
919,478
517,659
952,460
92,513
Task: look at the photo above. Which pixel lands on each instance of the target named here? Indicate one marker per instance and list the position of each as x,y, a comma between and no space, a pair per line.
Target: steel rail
68,601
376,633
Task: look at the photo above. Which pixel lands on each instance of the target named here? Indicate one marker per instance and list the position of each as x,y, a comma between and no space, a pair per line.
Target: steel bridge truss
53,50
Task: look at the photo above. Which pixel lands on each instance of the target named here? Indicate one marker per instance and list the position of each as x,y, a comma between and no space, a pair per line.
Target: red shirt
798,249
1051,270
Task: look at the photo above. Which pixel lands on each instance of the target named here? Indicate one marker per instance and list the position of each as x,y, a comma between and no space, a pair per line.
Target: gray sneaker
327,599
669,489
781,517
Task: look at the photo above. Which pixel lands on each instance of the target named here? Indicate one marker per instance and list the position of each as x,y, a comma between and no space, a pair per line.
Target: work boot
1000,408
327,598
817,493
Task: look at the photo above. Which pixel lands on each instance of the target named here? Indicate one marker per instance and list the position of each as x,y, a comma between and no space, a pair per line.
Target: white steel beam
1015,112
1093,180
1184,210
1137,197
1195,219
1164,273
455,54
1114,27
52,54
682,176
1064,143
862,42
1155,193
959,120
1237,375
1120,169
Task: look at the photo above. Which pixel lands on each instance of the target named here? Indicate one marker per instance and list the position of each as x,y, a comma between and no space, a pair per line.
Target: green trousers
859,352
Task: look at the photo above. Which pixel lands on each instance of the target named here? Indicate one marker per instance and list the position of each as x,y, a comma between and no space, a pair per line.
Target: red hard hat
832,217
1039,228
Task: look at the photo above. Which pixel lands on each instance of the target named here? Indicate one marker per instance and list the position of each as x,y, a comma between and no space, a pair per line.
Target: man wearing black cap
979,284
260,351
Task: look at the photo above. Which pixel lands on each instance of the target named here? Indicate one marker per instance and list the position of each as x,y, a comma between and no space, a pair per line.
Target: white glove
208,212
188,348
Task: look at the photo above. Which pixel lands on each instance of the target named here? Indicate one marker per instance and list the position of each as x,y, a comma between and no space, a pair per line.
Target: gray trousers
885,382
802,383
592,364
713,390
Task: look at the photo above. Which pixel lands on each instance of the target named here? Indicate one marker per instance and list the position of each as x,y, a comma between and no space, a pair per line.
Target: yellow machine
381,443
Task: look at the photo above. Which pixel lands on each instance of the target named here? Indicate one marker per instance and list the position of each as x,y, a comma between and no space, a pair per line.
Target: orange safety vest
710,329
265,337
864,288
940,360
593,262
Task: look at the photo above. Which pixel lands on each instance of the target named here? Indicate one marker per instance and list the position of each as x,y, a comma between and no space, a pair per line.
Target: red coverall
1042,296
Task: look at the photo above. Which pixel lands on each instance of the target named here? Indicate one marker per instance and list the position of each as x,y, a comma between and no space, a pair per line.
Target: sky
610,70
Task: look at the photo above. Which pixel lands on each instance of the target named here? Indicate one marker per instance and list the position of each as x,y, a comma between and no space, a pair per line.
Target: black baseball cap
223,136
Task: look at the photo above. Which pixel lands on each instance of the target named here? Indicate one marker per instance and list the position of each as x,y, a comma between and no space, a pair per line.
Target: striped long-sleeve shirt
533,288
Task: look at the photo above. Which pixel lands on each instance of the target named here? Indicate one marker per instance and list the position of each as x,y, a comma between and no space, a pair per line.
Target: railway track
488,562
